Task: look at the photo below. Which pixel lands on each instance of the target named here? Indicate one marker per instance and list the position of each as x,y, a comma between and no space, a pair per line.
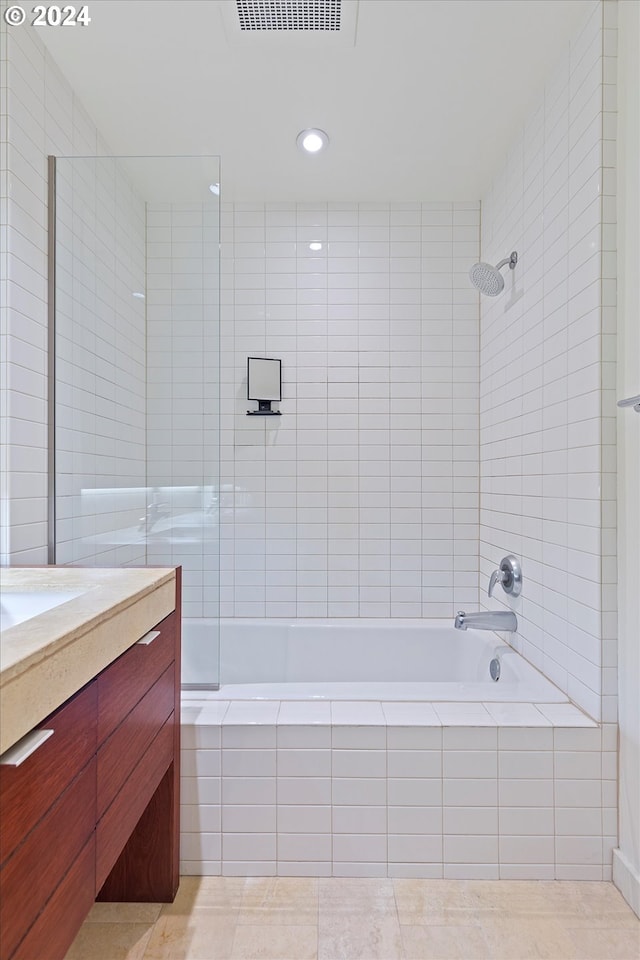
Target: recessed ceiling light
215,188
312,140
138,296
315,246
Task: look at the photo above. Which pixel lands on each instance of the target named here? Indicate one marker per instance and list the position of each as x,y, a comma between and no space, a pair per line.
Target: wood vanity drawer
29,877
29,790
56,927
117,824
119,755
128,678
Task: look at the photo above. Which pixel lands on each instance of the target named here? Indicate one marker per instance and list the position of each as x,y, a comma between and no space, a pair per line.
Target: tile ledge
572,717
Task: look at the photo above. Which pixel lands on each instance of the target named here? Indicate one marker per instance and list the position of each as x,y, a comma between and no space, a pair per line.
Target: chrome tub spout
487,620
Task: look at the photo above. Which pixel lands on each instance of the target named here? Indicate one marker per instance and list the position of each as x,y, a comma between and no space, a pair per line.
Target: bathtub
414,660
380,748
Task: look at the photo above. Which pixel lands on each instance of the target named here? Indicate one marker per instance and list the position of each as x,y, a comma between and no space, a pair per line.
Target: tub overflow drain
494,669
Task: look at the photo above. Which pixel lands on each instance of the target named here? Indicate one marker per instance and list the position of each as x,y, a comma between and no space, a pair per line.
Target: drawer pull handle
19,752
149,637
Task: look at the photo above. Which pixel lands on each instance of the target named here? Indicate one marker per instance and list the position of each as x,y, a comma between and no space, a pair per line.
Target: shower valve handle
496,577
509,575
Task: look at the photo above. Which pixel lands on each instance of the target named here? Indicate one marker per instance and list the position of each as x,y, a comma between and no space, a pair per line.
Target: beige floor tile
222,894
280,901
462,902
440,902
273,889
124,913
271,942
527,938
445,943
606,944
351,888
203,935
368,930
110,941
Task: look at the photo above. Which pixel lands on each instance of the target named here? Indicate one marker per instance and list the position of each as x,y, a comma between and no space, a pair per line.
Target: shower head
488,279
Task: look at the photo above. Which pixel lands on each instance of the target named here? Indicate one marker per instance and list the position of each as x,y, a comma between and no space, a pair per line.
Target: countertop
44,660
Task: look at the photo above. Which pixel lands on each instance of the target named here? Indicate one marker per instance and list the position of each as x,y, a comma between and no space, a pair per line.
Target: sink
16,606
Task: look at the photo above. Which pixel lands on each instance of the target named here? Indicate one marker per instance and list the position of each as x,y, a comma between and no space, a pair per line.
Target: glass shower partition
135,376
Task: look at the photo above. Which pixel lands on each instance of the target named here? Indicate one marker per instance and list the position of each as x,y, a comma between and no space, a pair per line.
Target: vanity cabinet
93,812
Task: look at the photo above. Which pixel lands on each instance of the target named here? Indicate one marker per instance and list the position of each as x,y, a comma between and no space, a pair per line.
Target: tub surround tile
415,820
302,713
402,714
517,714
304,818
414,738
364,869
197,712
525,738
201,763
249,868
249,736
429,871
356,713
200,846
463,715
251,818
358,763
304,790
471,871
359,738
304,847
310,868
565,715
363,798
248,763
245,712
249,790
304,763
310,737
416,848
242,846
408,764
200,868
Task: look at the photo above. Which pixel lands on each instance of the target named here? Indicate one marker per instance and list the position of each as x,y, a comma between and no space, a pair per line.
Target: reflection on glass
137,370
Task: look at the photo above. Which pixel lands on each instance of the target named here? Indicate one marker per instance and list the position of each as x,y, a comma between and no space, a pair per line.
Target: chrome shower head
488,279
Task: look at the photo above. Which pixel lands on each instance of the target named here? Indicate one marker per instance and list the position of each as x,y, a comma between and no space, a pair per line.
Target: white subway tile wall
547,457
102,368
100,364
362,499
183,376
364,796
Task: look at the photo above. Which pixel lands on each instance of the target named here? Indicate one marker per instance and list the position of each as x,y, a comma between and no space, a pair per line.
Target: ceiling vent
289,14
315,23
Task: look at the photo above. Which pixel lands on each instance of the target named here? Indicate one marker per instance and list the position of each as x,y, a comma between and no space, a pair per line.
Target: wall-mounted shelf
631,402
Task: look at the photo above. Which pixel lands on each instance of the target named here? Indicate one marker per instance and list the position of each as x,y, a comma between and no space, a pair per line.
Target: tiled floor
228,918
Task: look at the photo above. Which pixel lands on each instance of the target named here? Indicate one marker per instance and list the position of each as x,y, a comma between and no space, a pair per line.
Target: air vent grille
301,15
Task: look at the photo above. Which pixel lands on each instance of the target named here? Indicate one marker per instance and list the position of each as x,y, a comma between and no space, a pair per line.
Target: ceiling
423,106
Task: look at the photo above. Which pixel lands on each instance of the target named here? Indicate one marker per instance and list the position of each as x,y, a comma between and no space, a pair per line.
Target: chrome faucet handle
496,577
509,575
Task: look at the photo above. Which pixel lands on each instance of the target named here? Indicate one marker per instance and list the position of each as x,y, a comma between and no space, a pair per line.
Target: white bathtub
415,660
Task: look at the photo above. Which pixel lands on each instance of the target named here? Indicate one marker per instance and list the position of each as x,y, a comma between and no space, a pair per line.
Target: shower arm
512,260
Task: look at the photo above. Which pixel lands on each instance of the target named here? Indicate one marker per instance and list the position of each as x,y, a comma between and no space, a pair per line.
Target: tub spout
487,620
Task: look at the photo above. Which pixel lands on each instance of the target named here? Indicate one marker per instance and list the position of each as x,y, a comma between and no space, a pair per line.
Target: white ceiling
423,106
